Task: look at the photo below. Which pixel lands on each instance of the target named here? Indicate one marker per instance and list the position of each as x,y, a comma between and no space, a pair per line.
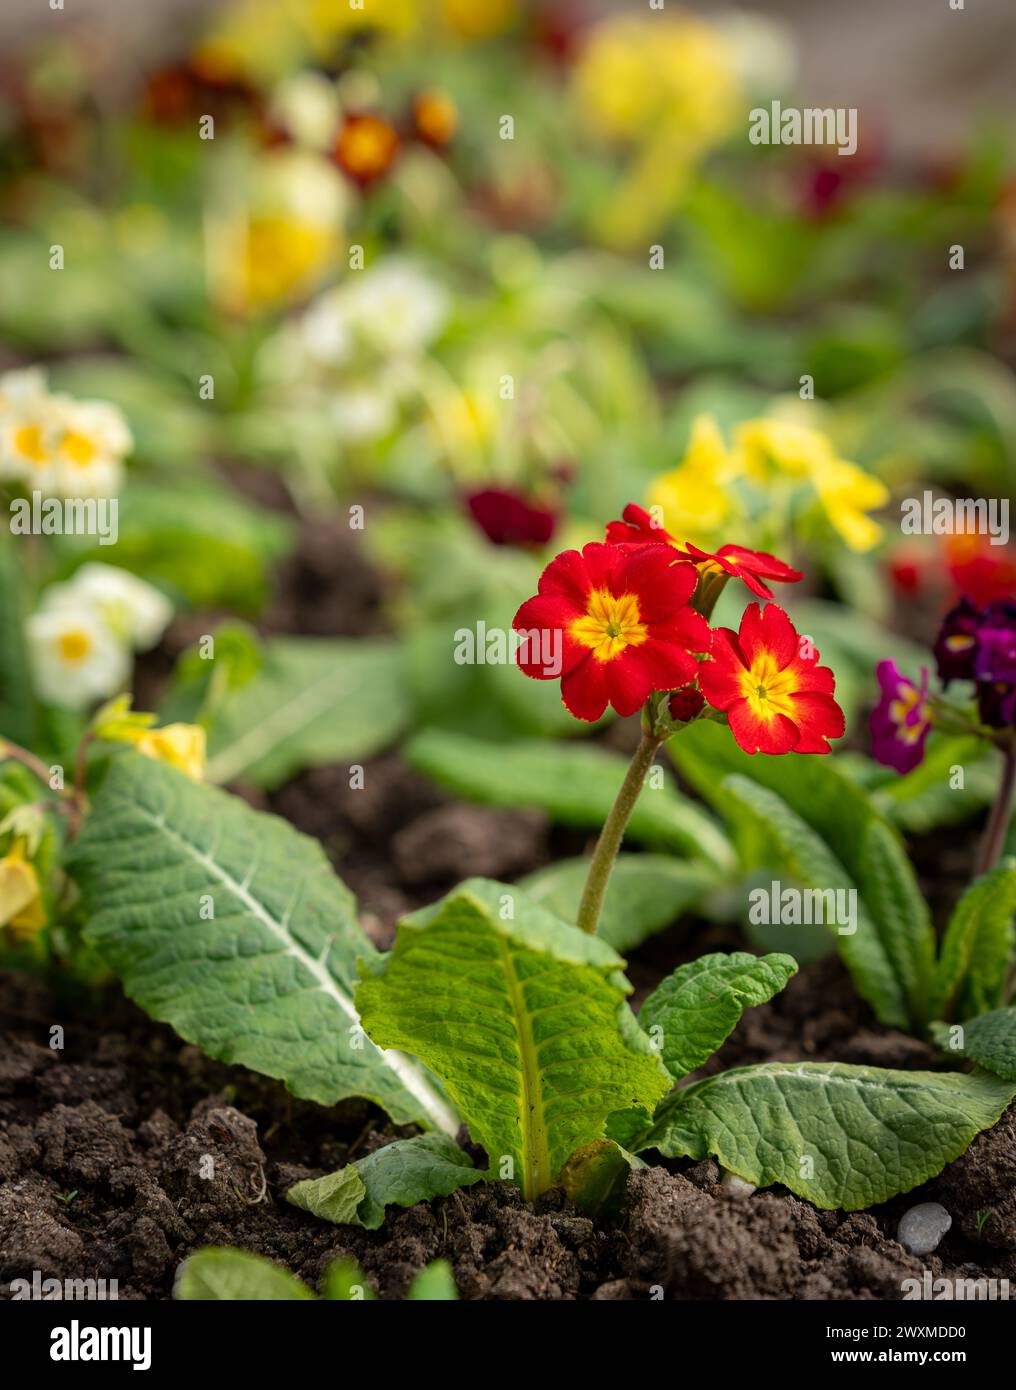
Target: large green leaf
977,948
522,1017
771,834
699,1005
574,783
840,1136
896,938
401,1174
314,700
989,1040
224,1275
646,893
268,980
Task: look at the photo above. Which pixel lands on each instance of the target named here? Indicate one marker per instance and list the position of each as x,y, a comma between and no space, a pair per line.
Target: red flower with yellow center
366,147
750,566
614,625
776,696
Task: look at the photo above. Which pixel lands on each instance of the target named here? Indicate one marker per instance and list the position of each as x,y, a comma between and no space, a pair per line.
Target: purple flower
901,719
995,666
956,645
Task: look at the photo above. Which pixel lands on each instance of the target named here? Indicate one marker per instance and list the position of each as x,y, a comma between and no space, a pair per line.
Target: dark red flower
614,624
507,518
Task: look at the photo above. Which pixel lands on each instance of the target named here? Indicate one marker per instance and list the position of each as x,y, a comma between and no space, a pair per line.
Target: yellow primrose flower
638,75
695,499
21,909
767,446
847,493
180,745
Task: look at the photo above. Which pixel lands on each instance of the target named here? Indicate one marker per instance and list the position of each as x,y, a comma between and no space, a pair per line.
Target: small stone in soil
922,1227
735,1186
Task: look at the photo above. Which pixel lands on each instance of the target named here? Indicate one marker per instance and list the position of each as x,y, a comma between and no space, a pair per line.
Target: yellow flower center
28,443
767,689
74,645
898,711
78,448
610,624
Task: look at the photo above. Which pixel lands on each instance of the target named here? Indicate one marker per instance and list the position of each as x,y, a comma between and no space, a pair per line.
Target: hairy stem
993,840
21,755
612,833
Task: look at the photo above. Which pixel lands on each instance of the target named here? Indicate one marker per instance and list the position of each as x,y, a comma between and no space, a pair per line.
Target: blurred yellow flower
847,493
768,447
478,19
180,745
695,499
636,76
21,909
772,446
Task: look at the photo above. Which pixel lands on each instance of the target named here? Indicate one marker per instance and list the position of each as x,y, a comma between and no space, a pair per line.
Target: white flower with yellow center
28,439
75,658
136,613
92,438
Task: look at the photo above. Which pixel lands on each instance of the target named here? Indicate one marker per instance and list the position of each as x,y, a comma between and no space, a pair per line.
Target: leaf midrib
536,1175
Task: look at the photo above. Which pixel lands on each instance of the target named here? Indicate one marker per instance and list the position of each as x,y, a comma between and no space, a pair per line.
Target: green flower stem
613,832
990,850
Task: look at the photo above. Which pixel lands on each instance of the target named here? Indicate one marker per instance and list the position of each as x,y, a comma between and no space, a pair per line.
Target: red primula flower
776,696
750,566
615,625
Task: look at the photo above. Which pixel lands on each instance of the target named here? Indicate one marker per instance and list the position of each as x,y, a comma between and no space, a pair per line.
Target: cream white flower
362,413
326,331
28,440
21,385
92,438
136,613
395,307
307,105
75,658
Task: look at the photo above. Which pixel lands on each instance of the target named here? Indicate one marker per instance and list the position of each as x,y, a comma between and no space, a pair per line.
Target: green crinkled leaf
989,1040
977,948
268,981
698,1006
869,1133
593,1177
771,833
401,1174
891,956
574,783
435,1283
314,700
225,1275
646,893
521,1016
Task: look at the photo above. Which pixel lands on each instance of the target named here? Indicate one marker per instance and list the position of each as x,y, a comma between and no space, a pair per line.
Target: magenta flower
901,719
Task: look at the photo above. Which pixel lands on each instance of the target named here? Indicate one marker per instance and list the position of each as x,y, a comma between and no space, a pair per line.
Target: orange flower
366,147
